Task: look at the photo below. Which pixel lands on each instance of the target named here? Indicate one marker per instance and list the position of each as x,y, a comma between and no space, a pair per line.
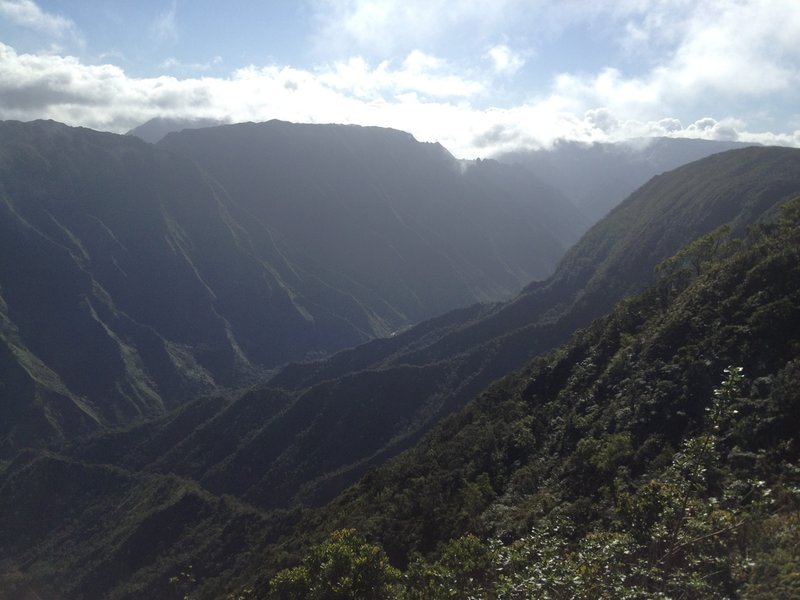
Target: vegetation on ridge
616,467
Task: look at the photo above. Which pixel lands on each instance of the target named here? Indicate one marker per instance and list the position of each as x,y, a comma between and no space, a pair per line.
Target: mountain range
136,277
486,420
595,176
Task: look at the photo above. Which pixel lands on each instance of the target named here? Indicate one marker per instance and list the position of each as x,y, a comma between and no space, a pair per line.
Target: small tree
465,569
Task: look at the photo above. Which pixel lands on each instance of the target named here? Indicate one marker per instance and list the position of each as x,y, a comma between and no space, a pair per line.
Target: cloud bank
708,65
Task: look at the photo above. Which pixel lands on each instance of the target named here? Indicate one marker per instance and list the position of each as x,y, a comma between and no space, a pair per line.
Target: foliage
465,568
700,252
682,535
184,582
775,561
344,567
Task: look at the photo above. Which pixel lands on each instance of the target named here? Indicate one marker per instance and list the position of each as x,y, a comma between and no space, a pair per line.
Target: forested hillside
654,455
317,427
219,494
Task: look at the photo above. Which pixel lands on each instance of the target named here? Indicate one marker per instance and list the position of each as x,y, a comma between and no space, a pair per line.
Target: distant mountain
155,129
135,277
596,177
418,231
195,484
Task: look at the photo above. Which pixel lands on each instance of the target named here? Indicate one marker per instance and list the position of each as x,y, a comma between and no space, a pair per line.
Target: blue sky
481,77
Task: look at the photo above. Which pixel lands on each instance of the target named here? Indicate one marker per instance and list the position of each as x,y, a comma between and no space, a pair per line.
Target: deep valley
242,354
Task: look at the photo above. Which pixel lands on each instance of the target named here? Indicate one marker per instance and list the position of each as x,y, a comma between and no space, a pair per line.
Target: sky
480,77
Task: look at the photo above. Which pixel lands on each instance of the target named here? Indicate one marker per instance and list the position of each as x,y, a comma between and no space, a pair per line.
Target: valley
222,350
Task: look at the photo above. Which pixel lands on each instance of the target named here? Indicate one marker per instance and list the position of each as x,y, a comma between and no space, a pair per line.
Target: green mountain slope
596,177
616,449
74,530
85,262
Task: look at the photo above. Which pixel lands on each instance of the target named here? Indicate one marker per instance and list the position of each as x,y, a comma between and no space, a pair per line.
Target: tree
343,567
697,254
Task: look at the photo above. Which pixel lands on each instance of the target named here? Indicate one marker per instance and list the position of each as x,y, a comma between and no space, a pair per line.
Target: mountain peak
155,129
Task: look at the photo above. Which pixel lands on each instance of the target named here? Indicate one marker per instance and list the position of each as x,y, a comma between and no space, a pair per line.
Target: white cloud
505,61
739,48
668,125
104,97
601,119
419,73
727,51
724,52
386,26
710,128
28,14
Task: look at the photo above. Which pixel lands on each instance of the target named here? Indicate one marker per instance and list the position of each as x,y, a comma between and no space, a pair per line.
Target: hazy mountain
417,230
640,371
596,177
134,277
155,129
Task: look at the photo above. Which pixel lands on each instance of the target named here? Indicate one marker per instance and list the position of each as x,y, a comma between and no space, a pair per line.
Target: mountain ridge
597,176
